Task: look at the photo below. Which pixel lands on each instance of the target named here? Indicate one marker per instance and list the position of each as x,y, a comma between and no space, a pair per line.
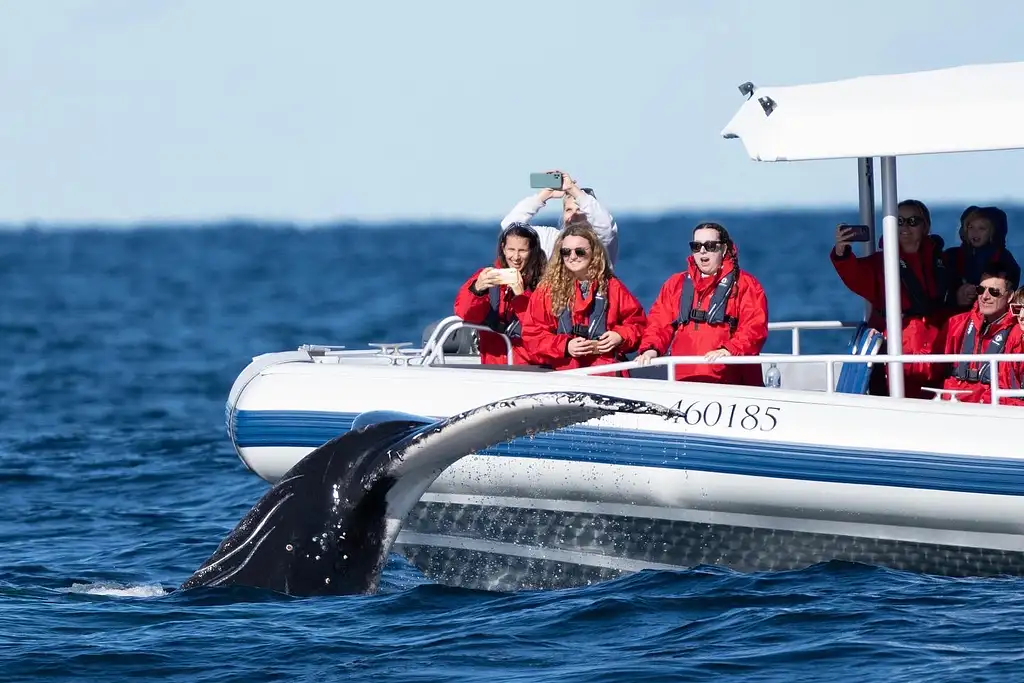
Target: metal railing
796,326
433,349
433,352
829,360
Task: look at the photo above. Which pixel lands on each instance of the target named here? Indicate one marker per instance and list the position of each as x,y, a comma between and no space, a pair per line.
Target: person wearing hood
924,293
982,242
576,202
489,298
988,328
712,309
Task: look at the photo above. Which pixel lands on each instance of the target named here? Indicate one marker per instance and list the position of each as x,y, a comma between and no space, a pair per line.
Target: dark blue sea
118,479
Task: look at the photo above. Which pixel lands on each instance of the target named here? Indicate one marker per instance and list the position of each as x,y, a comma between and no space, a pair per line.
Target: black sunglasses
565,251
710,246
912,221
991,290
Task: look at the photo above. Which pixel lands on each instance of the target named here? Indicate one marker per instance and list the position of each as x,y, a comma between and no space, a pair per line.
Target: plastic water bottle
773,378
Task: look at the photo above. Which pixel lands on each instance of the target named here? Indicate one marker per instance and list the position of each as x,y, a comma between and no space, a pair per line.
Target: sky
318,111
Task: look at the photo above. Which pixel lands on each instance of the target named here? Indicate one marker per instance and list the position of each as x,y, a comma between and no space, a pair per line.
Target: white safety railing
797,326
433,352
433,349
438,329
829,360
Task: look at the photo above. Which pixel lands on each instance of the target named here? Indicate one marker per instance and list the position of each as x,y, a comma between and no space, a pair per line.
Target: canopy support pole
866,196
893,288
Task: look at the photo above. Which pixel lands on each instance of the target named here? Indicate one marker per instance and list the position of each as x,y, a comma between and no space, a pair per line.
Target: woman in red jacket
711,309
924,293
485,300
581,314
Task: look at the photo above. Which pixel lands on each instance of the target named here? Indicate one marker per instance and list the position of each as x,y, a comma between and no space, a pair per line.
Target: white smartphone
506,276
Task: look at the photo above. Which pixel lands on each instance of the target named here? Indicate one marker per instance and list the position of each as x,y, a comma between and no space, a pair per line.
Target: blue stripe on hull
969,474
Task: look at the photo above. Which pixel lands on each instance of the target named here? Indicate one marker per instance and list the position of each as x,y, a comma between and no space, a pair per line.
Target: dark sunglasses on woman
709,246
565,251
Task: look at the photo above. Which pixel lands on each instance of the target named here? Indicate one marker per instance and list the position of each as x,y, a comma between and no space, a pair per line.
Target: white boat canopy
962,109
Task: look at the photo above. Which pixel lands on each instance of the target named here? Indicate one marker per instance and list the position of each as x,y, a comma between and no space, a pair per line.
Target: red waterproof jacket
1011,375
476,307
742,330
923,293
547,341
967,333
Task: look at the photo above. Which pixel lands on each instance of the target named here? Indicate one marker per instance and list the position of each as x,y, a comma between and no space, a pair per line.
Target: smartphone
860,232
551,181
506,276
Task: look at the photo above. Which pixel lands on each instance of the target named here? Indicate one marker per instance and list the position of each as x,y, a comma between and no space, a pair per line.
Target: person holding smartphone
581,314
924,292
575,201
497,296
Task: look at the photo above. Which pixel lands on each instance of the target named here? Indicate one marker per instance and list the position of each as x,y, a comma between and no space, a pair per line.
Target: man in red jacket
986,328
924,289
711,309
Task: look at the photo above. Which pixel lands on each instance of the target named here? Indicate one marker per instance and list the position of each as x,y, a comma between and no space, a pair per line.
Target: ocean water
118,478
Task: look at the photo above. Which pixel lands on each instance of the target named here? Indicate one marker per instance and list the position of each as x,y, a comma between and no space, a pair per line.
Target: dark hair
1002,269
723,237
920,206
535,261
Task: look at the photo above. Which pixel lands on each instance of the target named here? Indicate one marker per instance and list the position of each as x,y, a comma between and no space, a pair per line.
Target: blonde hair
1018,296
557,278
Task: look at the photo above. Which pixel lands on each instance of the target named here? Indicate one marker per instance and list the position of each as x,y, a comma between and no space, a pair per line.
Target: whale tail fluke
328,525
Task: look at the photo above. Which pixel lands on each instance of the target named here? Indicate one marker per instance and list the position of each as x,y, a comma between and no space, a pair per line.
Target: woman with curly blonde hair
581,314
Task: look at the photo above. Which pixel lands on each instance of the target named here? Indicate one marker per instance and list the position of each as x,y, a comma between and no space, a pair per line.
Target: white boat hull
757,479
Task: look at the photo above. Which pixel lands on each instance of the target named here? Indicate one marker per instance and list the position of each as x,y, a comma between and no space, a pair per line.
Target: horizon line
8,225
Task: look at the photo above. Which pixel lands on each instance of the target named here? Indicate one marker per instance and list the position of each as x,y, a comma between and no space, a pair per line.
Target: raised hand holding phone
487,278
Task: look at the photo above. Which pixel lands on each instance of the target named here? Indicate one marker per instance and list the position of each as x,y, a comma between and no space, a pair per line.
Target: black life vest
964,371
513,329
715,313
920,303
598,320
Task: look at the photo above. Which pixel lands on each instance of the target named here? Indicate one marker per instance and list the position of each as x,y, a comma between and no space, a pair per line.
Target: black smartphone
861,233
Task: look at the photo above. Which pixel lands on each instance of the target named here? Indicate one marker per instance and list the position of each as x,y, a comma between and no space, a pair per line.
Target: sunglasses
912,221
710,246
1016,309
565,251
993,291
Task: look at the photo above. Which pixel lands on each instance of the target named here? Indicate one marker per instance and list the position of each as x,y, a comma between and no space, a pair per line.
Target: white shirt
602,221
